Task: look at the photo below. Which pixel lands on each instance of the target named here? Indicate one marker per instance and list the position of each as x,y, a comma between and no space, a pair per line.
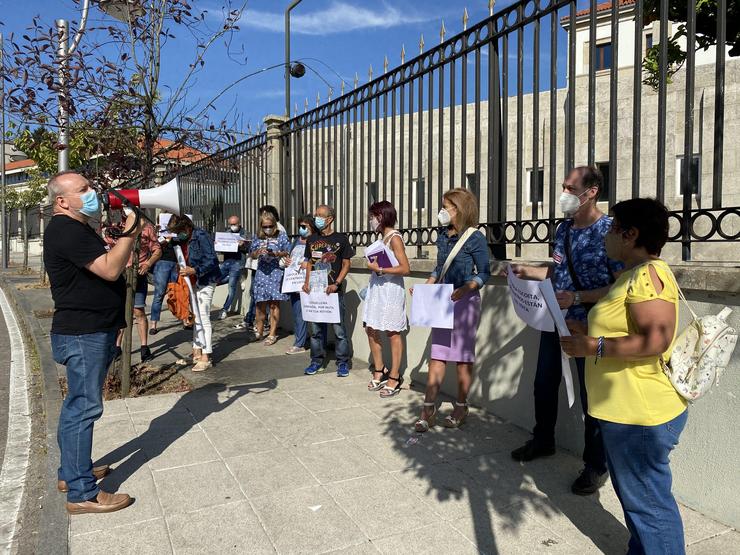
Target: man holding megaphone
89,298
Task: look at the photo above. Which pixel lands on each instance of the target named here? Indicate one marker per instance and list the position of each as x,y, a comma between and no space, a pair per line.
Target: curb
53,522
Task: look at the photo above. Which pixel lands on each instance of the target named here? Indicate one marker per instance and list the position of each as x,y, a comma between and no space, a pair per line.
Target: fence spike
318,99
421,44
370,73
491,4
342,87
295,113
442,32
385,64
403,54
331,93
465,19
305,106
357,79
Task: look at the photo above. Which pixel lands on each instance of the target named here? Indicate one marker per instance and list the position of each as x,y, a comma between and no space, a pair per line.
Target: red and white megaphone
166,197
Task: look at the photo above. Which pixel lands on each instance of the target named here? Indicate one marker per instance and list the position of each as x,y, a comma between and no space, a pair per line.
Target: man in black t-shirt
328,255
89,295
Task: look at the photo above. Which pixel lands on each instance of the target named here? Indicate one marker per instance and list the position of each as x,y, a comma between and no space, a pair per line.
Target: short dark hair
272,210
591,176
308,219
385,212
178,224
649,217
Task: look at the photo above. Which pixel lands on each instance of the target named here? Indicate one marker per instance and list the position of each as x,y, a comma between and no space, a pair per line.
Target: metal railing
494,110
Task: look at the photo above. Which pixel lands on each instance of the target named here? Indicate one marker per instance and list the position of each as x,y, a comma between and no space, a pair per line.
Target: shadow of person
190,409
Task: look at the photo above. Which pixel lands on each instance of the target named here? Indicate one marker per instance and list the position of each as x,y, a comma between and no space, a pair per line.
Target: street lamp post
3,216
288,71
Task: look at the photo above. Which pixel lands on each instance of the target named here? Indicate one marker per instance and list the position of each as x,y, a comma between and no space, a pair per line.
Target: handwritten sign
295,276
226,242
529,303
320,307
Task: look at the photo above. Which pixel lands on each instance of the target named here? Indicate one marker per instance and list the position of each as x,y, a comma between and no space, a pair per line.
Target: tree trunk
126,343
24,230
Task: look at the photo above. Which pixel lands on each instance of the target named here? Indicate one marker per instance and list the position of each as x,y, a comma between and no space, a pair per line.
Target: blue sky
346,35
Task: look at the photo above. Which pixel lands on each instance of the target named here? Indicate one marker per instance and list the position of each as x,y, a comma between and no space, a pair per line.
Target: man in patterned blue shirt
581,274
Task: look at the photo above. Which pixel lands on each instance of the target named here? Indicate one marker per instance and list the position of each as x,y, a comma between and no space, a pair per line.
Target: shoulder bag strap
456,249
569,259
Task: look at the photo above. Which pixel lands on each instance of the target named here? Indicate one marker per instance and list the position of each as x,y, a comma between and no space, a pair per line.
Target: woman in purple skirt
467,268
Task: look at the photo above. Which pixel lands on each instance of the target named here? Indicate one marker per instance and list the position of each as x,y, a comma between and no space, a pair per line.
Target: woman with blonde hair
268,248
463,261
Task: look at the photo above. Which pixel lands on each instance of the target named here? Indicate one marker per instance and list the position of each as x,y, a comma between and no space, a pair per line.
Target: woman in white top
385,302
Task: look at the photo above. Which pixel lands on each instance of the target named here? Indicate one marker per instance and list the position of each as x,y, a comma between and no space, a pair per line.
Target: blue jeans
546,393
164,272
319,334
249,316
86,358
301,327
639,466
230,271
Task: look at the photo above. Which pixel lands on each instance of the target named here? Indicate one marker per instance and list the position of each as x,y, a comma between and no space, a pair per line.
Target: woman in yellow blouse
640,414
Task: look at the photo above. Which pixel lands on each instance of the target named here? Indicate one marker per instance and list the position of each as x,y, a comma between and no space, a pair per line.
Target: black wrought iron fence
506,108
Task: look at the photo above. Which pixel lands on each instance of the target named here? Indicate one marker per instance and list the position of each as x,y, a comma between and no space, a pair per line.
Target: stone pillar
275,164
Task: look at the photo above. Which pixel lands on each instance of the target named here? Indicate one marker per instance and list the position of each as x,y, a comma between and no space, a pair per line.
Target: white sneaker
222,315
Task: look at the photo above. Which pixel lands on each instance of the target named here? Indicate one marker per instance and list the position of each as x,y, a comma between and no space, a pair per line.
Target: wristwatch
380,271
576,298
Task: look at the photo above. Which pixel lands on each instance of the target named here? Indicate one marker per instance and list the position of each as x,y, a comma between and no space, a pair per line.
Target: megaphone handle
128,204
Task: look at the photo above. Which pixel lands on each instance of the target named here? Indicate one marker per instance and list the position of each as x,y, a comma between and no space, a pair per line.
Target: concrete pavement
260,458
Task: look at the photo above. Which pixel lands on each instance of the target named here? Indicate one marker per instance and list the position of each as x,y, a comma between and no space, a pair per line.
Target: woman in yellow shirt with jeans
640,414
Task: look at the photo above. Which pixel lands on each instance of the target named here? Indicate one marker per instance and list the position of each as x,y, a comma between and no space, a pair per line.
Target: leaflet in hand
381,255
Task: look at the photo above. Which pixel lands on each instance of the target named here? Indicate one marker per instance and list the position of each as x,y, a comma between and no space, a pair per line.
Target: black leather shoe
531,450
146,353
589,481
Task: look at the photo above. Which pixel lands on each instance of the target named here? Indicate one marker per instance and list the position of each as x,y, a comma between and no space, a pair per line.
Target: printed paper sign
432,306
320,307
227,242
529,303
319,281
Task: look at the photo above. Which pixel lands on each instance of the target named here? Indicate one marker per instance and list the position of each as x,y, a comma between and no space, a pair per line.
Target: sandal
270,340
451,422
424,425
375,385
391,391
153,331
202,366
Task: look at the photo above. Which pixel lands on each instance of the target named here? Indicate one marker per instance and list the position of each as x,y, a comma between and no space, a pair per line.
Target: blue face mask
320,222
182,237
304,231
90,204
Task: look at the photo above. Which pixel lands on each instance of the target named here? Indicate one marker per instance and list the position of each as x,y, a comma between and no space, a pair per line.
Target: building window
372,192
648,41
682,176
471,183
604,193
539,194
418,188
603,56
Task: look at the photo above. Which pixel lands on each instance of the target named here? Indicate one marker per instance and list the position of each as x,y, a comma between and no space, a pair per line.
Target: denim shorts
142,288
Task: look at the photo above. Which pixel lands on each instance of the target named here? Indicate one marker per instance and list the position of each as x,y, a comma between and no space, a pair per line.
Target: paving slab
433,539
231,528
269,472
333,461
306,521
142,537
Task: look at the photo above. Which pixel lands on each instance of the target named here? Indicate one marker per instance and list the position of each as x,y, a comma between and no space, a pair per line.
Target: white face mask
570,203
444,217
374,224
234,228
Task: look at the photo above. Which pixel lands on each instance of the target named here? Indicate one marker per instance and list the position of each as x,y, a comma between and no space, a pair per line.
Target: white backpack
701,353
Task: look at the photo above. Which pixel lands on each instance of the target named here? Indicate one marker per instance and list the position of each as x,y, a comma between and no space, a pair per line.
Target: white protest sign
432,306
548,293
320,308
529,304
226,242
295,276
